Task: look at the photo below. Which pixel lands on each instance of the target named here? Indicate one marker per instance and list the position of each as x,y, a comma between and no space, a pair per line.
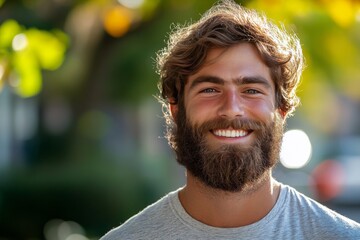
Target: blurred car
337,180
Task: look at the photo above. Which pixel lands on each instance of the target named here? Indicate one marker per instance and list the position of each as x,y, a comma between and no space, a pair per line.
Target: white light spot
76,236
296,149
19,42
131,3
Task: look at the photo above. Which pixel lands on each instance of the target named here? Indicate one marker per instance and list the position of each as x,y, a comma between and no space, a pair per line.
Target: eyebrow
238,81
253,80
207,79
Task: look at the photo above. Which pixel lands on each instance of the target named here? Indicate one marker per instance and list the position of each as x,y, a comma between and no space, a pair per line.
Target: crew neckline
196,225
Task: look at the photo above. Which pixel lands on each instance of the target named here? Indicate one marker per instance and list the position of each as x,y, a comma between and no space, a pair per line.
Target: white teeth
230,133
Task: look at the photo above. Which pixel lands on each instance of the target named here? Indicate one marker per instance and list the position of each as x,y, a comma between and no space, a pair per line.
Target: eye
208,90
252,91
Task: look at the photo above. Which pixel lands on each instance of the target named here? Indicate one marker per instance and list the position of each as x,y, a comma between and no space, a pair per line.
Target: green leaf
8,30
28,82
47,47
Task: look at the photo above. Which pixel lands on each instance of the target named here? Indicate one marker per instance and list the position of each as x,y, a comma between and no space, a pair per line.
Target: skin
233,83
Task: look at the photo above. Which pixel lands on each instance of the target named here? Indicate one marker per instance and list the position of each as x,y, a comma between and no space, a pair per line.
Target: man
228,82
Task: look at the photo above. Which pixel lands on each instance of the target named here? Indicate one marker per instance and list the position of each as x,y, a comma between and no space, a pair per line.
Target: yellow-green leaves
8,30
49,48
24,53
26,78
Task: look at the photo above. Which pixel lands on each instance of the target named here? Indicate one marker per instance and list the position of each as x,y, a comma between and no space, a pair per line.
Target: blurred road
348,211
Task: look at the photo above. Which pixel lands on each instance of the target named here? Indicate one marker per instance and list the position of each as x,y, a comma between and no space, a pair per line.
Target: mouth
231,133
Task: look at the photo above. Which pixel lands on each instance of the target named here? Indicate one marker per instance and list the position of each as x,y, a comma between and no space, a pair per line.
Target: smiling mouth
231,133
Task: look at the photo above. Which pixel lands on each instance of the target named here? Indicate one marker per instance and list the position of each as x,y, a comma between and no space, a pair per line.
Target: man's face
229,131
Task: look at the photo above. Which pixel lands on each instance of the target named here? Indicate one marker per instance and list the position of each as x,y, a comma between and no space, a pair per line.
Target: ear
173,110
283,114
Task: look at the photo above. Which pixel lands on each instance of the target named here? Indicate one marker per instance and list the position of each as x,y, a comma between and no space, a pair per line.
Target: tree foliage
24,53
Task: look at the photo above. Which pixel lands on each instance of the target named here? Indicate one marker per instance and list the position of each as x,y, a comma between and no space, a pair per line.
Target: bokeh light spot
341,12
117,21
76,237
296,149
131,3
19,42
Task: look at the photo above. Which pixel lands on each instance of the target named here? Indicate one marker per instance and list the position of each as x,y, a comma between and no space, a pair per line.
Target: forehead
238,61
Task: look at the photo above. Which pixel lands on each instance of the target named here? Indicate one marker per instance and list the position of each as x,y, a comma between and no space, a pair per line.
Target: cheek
261,110
200,111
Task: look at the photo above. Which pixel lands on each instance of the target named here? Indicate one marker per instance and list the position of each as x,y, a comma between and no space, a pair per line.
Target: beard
227,167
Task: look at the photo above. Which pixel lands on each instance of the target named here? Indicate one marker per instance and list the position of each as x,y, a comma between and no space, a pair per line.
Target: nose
231,105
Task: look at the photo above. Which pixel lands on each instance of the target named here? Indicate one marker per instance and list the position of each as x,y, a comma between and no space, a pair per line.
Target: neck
219,208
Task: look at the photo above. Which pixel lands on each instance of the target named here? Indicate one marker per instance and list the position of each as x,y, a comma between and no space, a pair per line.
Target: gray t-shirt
294,216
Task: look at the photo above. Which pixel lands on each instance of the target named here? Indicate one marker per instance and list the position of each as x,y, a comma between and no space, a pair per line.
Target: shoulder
147,221
313,216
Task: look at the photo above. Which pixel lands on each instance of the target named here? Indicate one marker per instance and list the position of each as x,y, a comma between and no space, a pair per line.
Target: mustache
222,123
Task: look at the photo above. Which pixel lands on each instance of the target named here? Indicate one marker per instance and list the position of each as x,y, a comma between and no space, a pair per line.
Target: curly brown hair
224,25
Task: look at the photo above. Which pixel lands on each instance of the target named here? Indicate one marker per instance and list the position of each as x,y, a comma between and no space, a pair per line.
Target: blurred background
81,133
